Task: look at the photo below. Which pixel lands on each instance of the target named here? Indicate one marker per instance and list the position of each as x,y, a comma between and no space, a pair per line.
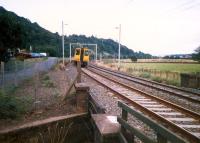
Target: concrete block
106,128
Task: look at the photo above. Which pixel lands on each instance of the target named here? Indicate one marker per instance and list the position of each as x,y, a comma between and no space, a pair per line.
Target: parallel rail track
179,92
180,119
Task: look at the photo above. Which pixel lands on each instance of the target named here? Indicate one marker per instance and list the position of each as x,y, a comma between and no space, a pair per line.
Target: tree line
18,32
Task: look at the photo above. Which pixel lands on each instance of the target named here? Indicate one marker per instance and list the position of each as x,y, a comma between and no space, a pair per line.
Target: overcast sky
158,27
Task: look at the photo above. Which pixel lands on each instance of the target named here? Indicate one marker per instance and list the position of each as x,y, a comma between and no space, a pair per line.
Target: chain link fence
38,84
16,71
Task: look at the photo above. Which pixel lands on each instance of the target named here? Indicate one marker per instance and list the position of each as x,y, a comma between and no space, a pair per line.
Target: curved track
180,119
175,91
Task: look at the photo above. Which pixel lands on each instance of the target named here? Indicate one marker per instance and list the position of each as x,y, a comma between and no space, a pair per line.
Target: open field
164,72
162,60
168,67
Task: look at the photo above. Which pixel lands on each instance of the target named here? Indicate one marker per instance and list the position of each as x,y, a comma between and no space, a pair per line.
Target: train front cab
81,55
85,58
77,55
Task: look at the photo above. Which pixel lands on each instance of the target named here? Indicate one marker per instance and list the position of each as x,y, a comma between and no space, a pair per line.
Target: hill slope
18,32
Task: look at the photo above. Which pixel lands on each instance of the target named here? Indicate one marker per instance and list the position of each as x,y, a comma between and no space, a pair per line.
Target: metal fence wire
15,71
39,82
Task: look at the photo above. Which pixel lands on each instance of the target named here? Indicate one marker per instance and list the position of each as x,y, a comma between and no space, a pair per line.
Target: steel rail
181,130
181,109
150,81
127,77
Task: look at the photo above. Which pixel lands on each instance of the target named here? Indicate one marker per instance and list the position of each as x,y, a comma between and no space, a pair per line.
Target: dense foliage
18,32
196,55
133,58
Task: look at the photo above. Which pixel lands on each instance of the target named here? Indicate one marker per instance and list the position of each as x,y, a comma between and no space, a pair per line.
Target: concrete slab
82,86
106,124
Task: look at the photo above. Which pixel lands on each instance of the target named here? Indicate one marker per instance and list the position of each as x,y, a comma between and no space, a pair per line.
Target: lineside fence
163,135
15,71
156,73
37,83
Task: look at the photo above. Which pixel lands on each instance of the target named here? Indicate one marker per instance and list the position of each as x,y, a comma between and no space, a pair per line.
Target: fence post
15,72
161,139
82,97
124,114
167,75
128,135
24,64
2,72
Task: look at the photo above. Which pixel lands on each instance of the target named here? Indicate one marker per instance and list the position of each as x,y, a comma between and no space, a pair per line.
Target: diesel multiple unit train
81,55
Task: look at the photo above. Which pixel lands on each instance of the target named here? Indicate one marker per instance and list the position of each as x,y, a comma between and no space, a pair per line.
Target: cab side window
77,52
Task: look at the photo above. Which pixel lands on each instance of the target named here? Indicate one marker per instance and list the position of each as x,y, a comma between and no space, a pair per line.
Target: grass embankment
11,106
13,103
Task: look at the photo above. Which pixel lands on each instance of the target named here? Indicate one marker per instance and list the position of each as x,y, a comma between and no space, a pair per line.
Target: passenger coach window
86,53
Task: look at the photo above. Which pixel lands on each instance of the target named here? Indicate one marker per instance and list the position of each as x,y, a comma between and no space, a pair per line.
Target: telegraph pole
119,52
63,42
70,51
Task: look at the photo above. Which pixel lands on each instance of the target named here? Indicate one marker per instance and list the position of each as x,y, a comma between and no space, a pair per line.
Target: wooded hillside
18,32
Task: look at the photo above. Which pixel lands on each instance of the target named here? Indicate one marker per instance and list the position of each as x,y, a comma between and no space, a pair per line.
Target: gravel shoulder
109,101
166,96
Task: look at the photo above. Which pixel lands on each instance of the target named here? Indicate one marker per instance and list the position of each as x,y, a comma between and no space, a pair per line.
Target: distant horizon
154,27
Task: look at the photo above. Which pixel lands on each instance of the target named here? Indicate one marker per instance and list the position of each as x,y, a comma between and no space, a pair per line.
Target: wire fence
16,71
39,84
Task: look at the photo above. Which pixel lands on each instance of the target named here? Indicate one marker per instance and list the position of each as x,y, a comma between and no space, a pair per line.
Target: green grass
47,82
12,107
170,71
172,67
145,75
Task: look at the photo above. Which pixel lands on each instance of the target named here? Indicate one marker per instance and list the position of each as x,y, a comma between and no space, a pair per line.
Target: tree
196,55
18,32
133,58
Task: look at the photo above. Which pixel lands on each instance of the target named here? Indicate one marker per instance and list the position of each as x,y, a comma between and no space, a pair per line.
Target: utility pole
63,48
63,41
119,52
70,51
96,53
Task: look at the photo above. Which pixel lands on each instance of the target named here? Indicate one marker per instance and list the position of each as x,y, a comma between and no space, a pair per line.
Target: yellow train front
81,55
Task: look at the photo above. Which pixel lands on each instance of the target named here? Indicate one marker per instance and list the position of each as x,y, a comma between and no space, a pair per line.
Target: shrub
45,77
46,81
133,58
10,106
145,75
173,82
157,79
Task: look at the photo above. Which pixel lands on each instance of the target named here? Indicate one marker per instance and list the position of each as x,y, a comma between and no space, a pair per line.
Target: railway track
181,93
181,120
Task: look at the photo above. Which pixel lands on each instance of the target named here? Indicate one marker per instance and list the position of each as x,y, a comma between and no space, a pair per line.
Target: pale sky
158,27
